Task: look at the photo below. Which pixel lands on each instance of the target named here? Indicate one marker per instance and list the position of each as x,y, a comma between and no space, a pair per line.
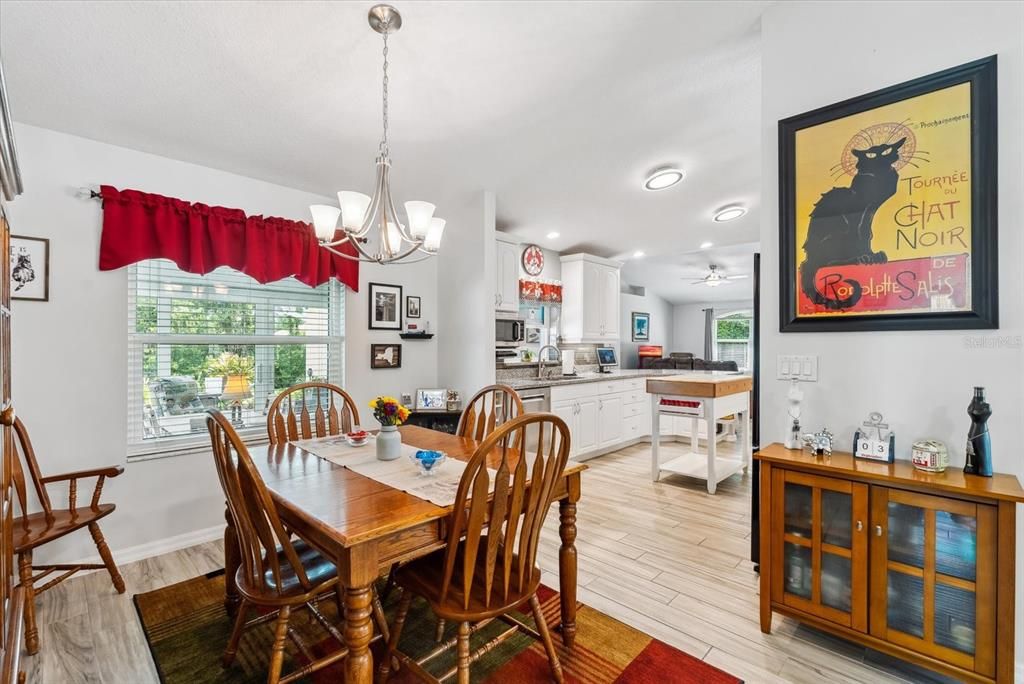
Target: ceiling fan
715,277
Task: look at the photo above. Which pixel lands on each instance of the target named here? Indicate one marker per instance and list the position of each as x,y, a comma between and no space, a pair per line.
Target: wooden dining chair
489,564
322,409
32,530
489,408
277,575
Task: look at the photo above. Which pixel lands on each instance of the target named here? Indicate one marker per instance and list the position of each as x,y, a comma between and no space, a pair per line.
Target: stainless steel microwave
509,332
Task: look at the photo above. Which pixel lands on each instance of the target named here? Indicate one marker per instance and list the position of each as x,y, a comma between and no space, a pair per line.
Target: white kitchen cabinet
506,286
590,299
588,417
610,428
566,410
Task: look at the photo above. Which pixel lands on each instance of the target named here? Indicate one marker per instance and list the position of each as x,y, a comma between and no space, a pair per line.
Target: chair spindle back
489,408
505,526
258,526
28,453
333,412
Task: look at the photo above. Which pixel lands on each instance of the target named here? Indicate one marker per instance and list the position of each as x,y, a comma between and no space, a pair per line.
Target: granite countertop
558,380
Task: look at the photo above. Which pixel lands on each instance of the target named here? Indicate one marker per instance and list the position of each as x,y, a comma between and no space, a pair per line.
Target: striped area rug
187,629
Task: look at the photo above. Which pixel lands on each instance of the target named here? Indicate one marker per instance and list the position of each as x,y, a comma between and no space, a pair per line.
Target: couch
686,361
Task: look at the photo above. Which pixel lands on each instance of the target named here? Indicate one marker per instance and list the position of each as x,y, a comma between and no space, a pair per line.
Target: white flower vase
389,443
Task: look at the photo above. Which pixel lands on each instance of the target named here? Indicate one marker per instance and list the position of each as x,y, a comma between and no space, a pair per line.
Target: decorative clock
533,260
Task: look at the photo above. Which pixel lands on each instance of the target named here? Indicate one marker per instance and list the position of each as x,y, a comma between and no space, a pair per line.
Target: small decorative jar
389,443
930,455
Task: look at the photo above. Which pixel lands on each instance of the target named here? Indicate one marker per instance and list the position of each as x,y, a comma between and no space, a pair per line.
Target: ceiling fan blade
735,277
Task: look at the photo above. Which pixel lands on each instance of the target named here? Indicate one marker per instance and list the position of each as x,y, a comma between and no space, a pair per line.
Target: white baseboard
131,554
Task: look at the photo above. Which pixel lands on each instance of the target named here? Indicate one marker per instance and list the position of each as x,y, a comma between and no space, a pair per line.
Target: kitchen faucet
540,358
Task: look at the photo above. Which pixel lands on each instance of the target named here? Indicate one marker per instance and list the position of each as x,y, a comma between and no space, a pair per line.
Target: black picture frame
378,318
639,315
412,311
377,353
33,271
984,262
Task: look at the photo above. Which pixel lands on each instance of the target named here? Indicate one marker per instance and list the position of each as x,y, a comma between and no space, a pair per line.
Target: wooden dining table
366,526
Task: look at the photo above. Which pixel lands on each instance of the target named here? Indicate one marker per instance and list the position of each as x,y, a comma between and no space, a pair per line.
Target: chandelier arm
390,203
400,255
334,243
371,209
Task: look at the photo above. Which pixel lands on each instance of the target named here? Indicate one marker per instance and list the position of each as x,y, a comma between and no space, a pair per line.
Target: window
221,341
733,338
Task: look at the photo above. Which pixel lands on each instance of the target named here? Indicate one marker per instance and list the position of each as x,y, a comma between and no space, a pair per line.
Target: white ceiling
561,107
671,276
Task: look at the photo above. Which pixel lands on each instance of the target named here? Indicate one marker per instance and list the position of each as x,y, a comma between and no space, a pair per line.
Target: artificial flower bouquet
389,411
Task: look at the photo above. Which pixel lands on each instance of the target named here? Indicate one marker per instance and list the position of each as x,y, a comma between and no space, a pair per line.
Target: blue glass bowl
428,461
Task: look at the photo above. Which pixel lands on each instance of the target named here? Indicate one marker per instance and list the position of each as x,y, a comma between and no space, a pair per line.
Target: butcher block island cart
701,396
915,564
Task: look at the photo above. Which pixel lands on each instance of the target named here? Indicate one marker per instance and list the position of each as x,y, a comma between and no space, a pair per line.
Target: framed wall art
30,268
412,307
641,327
431,399
887,208
385,356
385,307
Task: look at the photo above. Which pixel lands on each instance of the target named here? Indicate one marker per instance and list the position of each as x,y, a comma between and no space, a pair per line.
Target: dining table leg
232,560
567,559
357,569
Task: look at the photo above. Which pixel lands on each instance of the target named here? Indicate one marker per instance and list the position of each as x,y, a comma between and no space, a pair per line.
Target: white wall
69,354
920,381
466,277
661,325
689,323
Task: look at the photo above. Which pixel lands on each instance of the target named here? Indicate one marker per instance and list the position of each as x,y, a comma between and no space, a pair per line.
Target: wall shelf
415,336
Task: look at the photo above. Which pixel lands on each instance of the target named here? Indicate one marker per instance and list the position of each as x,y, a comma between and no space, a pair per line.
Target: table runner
439,489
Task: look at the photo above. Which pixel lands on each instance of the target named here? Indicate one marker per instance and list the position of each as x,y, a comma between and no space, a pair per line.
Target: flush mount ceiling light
359,214
553,235
707,245
637,254
664,177
729,213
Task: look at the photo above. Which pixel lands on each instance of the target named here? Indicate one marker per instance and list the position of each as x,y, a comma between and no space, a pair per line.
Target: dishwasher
536,400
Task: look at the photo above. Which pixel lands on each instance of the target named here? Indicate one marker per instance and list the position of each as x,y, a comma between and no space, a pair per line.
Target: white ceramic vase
389,443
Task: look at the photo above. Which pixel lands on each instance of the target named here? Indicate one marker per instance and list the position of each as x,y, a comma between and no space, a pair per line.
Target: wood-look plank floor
667,558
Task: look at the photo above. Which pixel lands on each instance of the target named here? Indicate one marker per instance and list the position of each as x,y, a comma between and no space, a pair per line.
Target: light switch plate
801,367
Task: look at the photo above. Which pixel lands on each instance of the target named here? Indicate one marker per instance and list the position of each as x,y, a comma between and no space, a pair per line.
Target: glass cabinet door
821,547
933,581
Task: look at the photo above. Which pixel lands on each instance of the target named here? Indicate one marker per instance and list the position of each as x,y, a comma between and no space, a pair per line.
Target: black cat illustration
840,229
23,273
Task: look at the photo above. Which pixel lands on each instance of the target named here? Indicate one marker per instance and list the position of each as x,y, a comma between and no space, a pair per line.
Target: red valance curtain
199,238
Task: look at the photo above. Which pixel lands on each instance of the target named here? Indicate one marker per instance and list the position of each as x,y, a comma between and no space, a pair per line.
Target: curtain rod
86,192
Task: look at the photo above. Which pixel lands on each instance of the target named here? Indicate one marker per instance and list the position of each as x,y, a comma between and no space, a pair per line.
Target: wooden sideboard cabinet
918,565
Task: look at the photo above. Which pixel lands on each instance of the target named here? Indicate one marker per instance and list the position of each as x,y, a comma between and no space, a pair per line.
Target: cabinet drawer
635,384
634,427
630,410
633,396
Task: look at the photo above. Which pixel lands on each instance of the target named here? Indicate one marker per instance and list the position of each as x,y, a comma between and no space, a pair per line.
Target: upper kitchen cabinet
590,299
506,286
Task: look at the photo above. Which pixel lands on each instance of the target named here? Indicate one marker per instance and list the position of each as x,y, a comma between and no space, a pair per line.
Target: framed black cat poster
887,208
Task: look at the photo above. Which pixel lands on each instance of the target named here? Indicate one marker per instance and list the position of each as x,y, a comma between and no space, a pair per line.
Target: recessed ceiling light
707,245
552,235
637,254
663,178
729,213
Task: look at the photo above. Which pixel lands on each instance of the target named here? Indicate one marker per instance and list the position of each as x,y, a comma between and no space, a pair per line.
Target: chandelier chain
384,151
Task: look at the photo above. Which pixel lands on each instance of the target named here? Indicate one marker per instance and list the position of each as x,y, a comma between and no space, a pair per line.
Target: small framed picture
427,399
385,356
641,327
412,307
385,307
30,268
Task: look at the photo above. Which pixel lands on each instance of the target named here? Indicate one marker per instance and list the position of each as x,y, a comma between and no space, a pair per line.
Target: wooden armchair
488,409
333,413
276,575
32,530
489,564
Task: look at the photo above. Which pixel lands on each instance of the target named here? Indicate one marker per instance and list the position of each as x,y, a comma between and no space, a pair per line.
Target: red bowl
362,434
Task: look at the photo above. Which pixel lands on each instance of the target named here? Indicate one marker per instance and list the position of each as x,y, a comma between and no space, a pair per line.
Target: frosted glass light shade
394,242
353,209
419,214
433,239
325,220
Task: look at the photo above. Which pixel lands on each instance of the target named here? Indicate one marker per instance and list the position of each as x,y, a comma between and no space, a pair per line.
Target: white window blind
222,341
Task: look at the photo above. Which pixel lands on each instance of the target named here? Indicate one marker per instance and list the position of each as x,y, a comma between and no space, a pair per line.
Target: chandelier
359,214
